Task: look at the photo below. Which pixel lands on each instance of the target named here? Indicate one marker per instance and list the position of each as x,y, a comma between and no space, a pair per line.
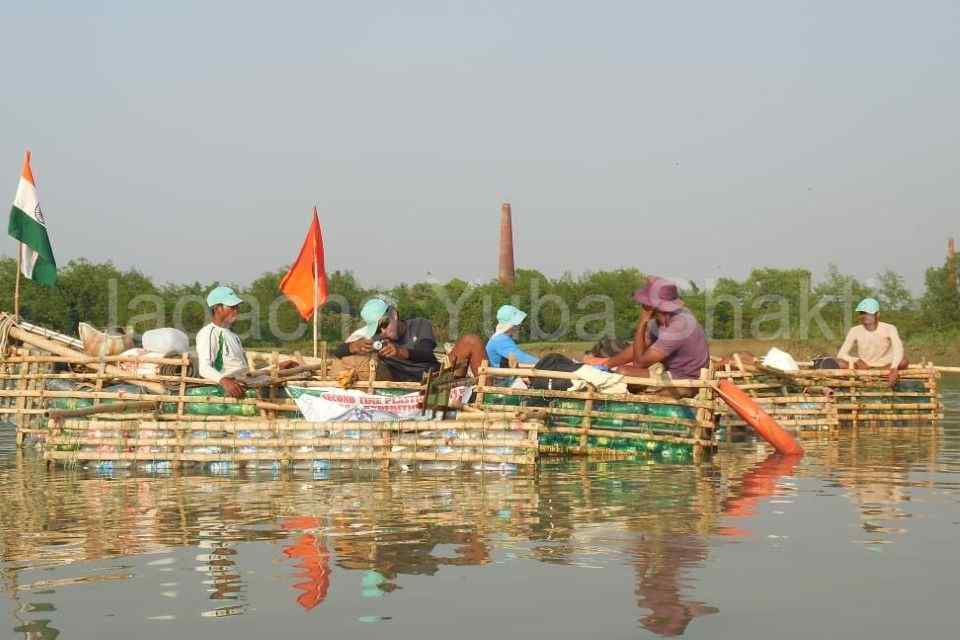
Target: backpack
554,362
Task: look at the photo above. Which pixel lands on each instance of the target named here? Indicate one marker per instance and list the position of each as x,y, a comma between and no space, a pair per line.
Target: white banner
350,405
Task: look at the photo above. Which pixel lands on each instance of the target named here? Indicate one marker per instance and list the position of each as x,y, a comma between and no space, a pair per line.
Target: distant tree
892,293
940,304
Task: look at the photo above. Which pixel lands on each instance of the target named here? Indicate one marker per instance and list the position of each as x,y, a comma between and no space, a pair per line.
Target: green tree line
768,304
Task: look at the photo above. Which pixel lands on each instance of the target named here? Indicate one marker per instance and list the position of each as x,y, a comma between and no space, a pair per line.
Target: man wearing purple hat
667,333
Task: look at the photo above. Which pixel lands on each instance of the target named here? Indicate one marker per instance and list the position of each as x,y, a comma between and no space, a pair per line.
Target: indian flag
29,227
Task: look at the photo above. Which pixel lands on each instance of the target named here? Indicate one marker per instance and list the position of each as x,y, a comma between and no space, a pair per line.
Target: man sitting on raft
220,355
404,348
667,333
878,344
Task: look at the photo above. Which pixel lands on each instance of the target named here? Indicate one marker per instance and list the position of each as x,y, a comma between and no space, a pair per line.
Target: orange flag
306,282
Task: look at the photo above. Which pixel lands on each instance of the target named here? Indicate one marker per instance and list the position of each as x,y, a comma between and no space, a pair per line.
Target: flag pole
316,307
16,287
316,300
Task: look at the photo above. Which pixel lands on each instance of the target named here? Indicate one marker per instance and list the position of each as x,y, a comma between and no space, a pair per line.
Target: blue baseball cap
223,295
508,314
869,305
372,313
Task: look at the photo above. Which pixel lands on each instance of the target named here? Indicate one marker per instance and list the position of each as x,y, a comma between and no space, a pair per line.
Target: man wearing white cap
404,347
220,353
878,344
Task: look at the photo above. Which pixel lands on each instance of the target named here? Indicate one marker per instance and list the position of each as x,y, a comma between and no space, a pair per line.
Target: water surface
857,539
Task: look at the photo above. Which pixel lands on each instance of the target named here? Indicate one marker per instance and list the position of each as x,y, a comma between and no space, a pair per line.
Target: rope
7,322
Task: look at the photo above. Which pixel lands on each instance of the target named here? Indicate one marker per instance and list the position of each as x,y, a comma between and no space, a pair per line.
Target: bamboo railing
588,423
858,397
480,439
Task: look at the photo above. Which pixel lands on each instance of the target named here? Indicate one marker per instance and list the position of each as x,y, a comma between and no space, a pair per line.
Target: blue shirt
502,346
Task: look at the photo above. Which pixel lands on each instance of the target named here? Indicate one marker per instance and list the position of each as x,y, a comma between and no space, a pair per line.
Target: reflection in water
314,566
659,521
661,567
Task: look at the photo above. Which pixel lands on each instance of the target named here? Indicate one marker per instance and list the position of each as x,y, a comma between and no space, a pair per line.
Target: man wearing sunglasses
405,347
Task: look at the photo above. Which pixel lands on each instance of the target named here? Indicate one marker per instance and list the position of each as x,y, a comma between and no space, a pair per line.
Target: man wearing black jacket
405,348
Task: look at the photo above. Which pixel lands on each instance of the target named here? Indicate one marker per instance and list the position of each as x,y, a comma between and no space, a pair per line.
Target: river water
857,539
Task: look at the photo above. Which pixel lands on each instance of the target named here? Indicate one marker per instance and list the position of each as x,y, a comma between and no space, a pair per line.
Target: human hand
893,377
360,347
860,364
233,388
595,360
392,350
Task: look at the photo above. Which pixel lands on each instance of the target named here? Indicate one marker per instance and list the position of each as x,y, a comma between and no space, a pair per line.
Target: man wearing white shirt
878,344
220,353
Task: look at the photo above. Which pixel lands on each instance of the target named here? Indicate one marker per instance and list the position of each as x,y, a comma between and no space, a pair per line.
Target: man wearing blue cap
404,347
220,353
877,343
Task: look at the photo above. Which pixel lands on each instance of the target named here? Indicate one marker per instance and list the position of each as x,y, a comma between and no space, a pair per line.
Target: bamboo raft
103,410
607,425
830,399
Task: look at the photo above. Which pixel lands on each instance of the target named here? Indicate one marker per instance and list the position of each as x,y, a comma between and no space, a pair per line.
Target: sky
690,139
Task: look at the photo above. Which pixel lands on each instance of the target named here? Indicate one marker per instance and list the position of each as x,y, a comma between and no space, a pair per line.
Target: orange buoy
763,424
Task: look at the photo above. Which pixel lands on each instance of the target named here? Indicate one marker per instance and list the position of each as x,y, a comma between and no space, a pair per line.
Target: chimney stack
507,273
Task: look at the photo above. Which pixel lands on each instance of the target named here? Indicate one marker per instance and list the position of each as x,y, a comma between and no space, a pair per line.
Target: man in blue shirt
502,346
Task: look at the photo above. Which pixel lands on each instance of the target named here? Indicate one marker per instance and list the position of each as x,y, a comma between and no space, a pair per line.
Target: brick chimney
507,273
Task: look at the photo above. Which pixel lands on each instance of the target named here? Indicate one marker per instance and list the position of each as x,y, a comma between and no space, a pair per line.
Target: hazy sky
691,139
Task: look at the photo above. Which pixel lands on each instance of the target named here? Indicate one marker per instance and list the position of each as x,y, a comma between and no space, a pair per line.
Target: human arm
633,353
641,341
423,352
614,361
896,356
505,347
846,350
208,347
650,357
353,348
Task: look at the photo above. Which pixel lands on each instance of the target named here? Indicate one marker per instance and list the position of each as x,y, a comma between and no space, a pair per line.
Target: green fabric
33,234
211,409
218,360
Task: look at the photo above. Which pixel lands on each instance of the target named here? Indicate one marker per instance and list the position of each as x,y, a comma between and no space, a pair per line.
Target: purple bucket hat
661,294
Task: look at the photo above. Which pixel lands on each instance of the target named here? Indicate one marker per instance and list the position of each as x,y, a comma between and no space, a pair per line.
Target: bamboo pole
653,437
62,350
690,423
16,286
316,302
493,423
100,409
563,375
891,417
587,419
278,443
549,394
21,402
425,456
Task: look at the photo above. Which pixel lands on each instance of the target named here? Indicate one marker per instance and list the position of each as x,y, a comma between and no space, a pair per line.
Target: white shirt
881,347
220,353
